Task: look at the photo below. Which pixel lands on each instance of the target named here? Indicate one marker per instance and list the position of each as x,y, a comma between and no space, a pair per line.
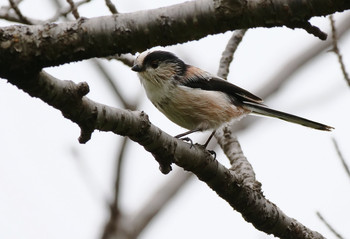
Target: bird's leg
179,136
207,142
186,133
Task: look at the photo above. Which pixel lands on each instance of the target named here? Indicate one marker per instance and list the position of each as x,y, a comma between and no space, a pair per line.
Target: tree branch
227,55
113,224
239,163
70,100
68,97
74,9
111,7
62,11
337,51
329,226
14,6
111,83
54,44
341,157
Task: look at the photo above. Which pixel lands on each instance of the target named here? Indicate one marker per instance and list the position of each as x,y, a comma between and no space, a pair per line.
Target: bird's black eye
154,64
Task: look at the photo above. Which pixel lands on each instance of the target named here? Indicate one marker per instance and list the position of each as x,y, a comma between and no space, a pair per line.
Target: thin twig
63,11
115,214
118,170
13,17
111,7
341,157
228,53
113,86
239,163
336,50
74,9
299,61
329,226
225,136
14,6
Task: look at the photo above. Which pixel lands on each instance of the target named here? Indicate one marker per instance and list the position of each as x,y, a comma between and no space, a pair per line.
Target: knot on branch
85,135
82,89
87,126
164,163
72,93
161,154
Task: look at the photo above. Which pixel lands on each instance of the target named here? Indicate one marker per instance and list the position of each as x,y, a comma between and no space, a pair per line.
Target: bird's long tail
263,110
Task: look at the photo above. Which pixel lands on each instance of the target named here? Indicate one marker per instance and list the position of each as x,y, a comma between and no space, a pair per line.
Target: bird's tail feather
263,110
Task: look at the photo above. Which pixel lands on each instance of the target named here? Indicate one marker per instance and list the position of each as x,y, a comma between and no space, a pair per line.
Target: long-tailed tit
198,100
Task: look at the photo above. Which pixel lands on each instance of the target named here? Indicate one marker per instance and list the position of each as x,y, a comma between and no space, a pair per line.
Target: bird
198,100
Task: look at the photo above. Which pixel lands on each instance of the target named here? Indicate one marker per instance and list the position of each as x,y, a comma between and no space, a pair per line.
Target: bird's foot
186,139
212,152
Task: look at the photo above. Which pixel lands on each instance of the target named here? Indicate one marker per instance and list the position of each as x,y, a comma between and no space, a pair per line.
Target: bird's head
158,66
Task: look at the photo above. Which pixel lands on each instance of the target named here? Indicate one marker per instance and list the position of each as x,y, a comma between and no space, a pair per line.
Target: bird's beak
136,68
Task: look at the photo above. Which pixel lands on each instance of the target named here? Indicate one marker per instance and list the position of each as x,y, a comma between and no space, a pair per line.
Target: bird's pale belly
198,109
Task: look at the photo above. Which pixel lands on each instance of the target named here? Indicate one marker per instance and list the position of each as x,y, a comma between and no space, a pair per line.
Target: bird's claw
188,140
212,152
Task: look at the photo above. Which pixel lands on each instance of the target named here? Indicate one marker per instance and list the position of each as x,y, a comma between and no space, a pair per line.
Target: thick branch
255,208
54,44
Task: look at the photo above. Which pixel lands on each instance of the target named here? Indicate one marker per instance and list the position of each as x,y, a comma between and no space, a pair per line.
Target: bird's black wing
212,83
195,78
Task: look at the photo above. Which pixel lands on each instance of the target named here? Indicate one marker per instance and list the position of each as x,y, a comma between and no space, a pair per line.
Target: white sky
53,187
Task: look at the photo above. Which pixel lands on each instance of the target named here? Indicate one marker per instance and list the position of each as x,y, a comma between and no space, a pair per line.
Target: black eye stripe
154,64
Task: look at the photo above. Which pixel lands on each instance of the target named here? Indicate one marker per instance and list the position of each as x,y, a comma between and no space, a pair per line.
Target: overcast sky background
53,187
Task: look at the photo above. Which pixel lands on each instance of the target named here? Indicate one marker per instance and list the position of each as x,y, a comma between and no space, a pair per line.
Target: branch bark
53,44
70,99
25,50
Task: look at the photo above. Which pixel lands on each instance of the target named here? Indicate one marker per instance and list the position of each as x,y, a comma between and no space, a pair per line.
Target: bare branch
22,18
116,216
329,226
62,12
120,160
111,7
288,69
239,163
54,44
225,136
73,9
113,85
227,55
336,50
89,115
341,157
13,17
66,96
